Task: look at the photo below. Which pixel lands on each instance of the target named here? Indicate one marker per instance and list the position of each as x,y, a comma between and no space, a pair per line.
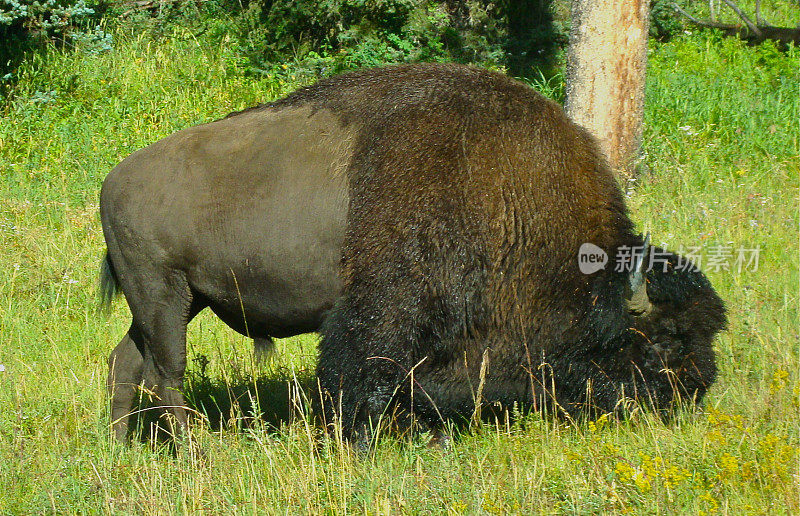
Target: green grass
722,147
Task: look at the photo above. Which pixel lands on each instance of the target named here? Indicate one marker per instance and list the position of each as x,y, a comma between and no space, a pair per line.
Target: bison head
675,315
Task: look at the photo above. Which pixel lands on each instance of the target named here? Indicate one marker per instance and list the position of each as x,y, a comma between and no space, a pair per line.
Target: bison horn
637,300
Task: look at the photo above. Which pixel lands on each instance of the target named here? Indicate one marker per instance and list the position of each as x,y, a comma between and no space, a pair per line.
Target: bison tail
109,283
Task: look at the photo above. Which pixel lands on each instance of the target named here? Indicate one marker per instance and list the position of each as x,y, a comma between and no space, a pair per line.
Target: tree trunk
606,65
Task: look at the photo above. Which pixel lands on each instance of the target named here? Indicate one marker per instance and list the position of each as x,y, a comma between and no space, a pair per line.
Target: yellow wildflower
574,457
674,476
748,470
769,441
712,502
715,437
778,381
624,471
728,465
642,481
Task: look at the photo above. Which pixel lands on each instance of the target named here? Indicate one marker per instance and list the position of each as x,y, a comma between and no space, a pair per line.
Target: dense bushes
27,23
331,35
327,36
320,37
664,21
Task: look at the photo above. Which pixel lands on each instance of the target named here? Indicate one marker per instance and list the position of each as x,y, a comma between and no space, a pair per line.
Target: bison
426,219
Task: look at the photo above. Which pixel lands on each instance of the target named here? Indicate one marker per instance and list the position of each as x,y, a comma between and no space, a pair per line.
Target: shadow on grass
270,401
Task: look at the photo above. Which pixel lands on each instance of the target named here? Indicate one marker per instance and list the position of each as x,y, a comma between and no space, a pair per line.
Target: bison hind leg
162,306
125,367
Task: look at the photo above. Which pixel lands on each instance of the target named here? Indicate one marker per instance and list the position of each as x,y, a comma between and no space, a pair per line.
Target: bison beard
468,197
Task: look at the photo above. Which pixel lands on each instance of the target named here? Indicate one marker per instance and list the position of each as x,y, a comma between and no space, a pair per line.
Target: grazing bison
427,220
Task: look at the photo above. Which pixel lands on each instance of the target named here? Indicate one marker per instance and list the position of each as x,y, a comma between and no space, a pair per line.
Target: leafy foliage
23,23
664,21
335,35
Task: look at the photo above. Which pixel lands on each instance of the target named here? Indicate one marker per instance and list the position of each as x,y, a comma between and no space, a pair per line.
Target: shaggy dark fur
470,195
452,239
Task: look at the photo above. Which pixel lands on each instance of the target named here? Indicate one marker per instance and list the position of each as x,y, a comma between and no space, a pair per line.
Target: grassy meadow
721,146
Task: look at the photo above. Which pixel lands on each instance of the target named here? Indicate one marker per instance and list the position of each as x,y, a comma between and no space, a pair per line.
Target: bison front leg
353,395
363,364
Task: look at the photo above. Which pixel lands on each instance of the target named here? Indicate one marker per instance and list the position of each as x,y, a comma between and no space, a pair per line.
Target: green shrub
24,24
664,21
322,37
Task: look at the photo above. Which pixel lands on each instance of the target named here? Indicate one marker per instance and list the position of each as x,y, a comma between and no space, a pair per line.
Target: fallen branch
748,32
744,18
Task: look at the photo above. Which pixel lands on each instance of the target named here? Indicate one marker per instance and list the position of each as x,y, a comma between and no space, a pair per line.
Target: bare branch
759,21
745,19
784,35
692,18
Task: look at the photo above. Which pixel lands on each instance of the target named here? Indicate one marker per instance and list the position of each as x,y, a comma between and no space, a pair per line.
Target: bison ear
637,299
